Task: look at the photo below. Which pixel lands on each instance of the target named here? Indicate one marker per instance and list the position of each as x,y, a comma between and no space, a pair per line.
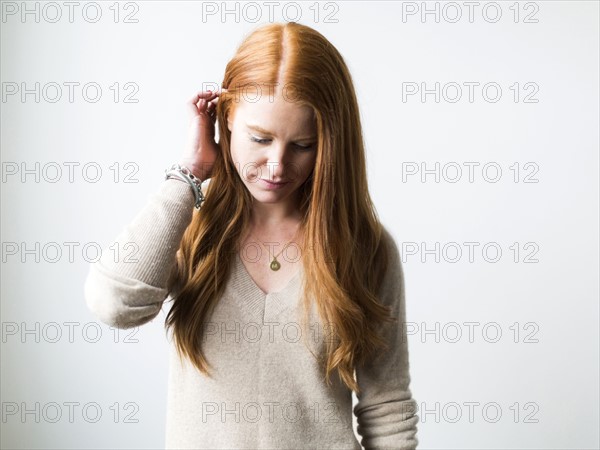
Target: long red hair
348,259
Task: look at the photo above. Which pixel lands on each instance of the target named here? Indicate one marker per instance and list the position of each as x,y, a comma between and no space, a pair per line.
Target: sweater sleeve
385,411
126,287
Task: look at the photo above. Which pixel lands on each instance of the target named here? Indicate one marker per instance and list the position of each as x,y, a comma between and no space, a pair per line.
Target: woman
283,281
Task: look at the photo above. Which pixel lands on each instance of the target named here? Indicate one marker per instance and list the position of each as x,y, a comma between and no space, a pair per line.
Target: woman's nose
276,160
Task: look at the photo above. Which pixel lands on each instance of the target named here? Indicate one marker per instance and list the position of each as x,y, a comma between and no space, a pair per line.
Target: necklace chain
274,264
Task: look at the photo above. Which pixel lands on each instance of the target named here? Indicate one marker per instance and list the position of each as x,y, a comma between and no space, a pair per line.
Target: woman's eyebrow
269,133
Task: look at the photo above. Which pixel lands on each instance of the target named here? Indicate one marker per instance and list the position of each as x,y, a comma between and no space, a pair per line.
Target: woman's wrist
183,173
202,171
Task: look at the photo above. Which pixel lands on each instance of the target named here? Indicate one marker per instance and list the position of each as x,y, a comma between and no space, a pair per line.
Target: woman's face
272,139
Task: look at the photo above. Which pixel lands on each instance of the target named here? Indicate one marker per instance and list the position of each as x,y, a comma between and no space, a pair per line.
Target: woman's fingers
211,106
199,102
213,103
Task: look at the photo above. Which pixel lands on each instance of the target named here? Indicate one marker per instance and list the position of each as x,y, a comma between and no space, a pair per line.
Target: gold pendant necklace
274,264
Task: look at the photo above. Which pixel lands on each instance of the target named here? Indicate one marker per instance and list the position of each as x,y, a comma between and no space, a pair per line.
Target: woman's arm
129,291
124,293
386,411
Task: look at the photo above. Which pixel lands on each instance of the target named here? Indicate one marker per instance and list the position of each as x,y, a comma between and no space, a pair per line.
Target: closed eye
266,141
260,141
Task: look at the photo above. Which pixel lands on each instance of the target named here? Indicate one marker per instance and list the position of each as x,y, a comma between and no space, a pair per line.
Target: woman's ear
230,118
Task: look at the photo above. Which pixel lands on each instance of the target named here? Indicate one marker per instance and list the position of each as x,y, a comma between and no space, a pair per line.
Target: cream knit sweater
267,390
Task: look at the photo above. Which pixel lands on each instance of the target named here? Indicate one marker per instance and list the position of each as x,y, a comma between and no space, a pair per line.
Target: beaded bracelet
184,174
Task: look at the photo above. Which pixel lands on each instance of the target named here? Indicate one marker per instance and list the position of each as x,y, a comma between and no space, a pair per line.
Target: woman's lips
272,184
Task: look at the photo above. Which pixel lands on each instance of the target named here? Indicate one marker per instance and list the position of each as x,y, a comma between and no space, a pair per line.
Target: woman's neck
275,216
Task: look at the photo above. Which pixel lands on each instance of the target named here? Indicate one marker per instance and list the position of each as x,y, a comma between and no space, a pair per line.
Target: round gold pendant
275,265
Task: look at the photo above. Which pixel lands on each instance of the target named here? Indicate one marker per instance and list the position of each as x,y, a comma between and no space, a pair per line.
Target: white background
542,373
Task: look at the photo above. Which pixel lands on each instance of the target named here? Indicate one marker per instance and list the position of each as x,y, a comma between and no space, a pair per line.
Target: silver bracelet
184,174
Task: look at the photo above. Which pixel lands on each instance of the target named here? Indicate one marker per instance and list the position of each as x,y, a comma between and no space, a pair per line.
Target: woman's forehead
272,113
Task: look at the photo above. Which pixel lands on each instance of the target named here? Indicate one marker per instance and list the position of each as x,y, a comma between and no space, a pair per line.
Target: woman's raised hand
201,149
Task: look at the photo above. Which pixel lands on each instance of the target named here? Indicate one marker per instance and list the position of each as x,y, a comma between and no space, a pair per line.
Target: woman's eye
260,141
304,147
265,141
